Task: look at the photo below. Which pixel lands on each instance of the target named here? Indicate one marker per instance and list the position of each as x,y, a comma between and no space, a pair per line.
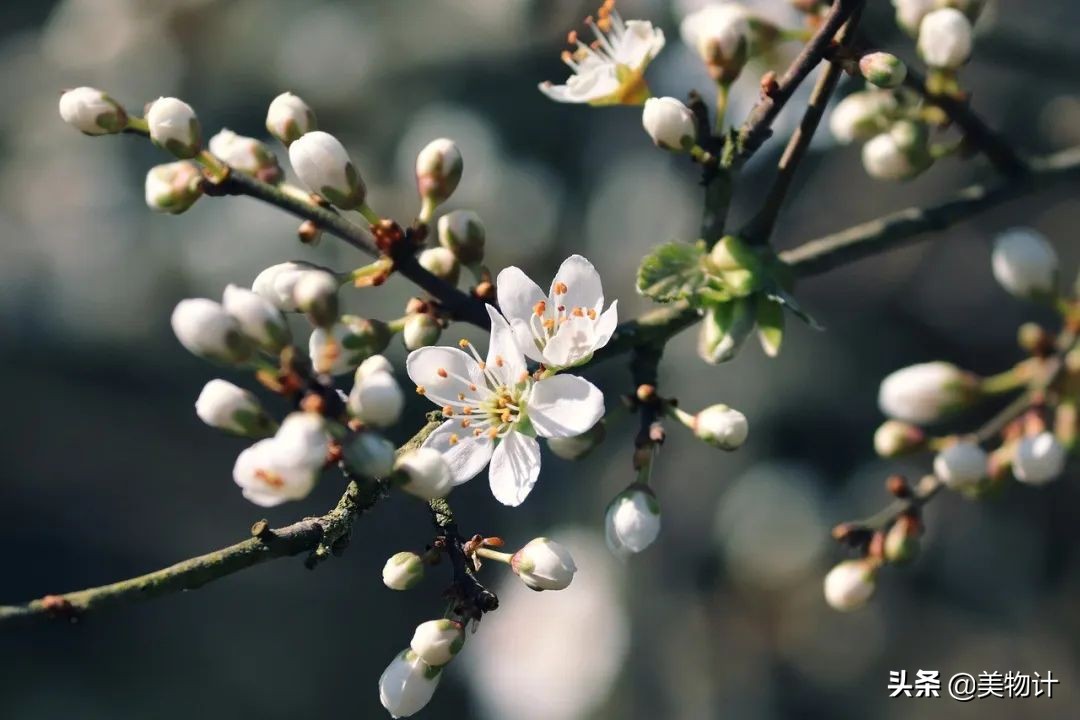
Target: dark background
107,472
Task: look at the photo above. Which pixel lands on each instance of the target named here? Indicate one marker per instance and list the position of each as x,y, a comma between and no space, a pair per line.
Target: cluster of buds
232,330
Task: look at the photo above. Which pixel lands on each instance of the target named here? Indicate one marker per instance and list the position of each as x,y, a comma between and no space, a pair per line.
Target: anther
420,390
454,439
499,361
441,372
463,343
448,411
592,314
578,312
560,289
539,308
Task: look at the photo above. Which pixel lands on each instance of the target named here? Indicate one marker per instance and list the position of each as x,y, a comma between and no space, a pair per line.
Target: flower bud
426,473
372,366
945,39
462,233
407,685
1038,459
721,426
247,155
316,293
862,115
347,343
376,399
302,440
909,13
370,455
402,571
927,392
882,69
227,407
258,318
721,34
849,585
173,187
289,117
322,163
438,641
91,111
205,329
442,263
544,565
899,154
670,124
894,438
1024,263
174,127
961,465
269,475
277,282
578,446
724,330
902,541
421,330
632,522
438,170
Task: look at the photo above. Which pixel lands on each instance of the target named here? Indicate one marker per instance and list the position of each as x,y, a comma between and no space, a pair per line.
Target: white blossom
373,365
1039,459
205,329
861,115
495,409
611,70
376,398
407,685
304,439
1025,263
91,111
566,325
670,124
286,466
721,35
322,163
544,564
721,426
462,233
438,641
632,522
849,585
370,455
427,474
961,465
227,407
277,282
257,316
174,127
909,13
173,187
926,392
245,154
403,570
289,117
347,343
316,294
945,38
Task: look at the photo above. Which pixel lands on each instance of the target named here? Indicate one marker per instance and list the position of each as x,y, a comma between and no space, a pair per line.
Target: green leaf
770,320
673,271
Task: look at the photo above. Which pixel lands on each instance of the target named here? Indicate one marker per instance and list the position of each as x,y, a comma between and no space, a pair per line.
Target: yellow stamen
420,390
454,439
448,411
441,372
539,308
592,314
560,288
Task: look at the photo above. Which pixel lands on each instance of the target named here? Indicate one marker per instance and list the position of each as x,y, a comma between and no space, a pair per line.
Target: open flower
495,409
609,71
565,326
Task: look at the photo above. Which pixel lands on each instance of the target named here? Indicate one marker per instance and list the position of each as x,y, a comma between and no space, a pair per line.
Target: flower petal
467,456
515,465
572,344
564,406
639,44
518,295
504,358
597,83
460,370
605,326
581,283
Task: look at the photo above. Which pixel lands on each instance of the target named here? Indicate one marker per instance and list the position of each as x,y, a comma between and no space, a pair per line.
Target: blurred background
107,472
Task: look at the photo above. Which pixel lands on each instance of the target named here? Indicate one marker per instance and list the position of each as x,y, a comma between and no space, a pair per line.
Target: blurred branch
305,536
470,598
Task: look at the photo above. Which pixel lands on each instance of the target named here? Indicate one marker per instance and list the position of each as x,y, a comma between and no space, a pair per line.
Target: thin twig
470,598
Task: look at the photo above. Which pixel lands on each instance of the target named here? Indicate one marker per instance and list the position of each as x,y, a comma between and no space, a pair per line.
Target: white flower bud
462,233
421,330
372,366
632,522
174,127
247,155
849,585
91,111
276,283
205,329
303,440
894,438
909,13
724,330
962,465
441,263
945,39
370,455
862,115
289,117
173,187
402,571
427,474
316,293
882,69
438,171
899,154
322,163
407,685
1025,263
376,399
227,407
1039,459
438,641
721,426
670,124
544,564
258,318
927,392
578,446
269,475
347,343
721,34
